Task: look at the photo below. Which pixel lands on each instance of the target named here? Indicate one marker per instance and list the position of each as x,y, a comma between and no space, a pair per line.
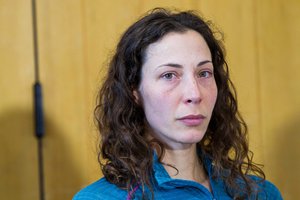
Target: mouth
192,120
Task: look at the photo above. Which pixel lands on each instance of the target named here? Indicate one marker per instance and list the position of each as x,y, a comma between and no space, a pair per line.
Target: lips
192,120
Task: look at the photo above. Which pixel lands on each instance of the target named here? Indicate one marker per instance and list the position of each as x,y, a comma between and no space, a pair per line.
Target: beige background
75,39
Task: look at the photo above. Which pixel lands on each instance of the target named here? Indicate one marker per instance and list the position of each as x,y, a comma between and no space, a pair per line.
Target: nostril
193,100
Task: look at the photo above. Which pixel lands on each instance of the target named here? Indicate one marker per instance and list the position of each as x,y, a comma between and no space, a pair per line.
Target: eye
168,75
205,74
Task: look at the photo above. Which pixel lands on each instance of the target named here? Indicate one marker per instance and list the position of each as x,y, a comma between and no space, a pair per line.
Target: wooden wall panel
279,61
64,77
18,160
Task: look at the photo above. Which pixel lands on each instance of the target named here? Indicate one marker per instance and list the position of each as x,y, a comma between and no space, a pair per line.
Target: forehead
178,45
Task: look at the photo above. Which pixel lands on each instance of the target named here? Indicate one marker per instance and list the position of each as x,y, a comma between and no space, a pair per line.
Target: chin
192,138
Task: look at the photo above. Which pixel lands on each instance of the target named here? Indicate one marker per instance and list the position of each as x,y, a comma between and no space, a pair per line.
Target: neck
188,165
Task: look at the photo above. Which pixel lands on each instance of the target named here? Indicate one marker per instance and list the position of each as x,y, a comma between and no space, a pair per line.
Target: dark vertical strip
35,42
38,105
41,167
38,110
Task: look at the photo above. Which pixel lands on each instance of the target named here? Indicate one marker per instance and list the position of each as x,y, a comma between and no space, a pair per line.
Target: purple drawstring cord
129,196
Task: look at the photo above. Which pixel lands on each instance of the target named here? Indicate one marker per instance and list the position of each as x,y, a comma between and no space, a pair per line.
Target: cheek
155,103
153,111
213,94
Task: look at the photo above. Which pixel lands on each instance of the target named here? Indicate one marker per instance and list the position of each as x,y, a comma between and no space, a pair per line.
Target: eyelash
209,74
172,74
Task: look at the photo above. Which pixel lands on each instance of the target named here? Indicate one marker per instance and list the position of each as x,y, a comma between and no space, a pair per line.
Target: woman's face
178,90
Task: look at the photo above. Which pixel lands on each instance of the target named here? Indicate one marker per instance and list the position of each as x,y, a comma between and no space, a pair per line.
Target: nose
192,93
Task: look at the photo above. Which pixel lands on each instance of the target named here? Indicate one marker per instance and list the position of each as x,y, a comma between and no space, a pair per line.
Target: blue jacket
167,188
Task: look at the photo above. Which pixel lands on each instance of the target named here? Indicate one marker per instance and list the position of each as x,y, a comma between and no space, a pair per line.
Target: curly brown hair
126,156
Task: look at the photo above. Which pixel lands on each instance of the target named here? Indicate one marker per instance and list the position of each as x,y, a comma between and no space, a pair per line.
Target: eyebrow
180,66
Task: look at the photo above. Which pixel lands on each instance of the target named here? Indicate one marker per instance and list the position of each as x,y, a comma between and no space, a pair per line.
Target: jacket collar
162,177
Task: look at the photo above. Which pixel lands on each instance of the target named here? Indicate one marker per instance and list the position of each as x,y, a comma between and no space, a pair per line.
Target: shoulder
101,189
266,189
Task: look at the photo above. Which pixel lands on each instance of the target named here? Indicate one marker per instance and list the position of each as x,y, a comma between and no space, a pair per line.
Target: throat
187,168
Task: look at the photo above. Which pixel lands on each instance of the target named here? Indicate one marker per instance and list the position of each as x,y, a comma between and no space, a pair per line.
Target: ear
136,96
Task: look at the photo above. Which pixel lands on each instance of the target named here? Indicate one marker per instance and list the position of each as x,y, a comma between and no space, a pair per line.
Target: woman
168,118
